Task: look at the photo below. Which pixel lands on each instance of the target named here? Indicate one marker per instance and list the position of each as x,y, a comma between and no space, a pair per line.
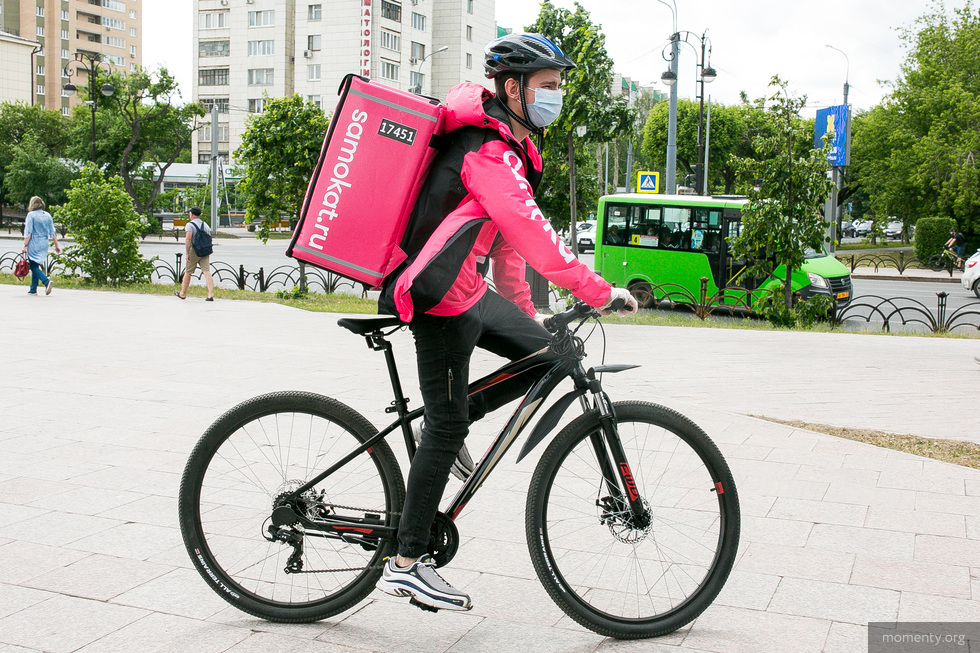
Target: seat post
401,401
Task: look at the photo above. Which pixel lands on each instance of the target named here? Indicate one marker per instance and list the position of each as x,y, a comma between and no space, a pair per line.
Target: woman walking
38,229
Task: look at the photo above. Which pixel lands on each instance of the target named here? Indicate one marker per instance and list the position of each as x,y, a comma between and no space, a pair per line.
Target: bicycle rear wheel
257,453
604,571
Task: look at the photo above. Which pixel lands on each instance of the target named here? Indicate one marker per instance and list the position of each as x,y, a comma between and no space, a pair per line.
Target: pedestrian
476,210
38,229
194,261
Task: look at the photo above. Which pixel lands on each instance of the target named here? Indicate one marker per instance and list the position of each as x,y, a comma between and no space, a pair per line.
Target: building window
220,102
261,76
132,31
314,99
212,77
261,18
213,19
391,11
132,50
40,89
115,5
214,48
114,41
204,133
113,23
259,48
469,60
313,72
469,32
389,71
256,106
418,21
205,157
40,12
64,35
313,12
132,14
313,42
416,84
418,51
64,54
65,111
133,68
40,31
64,15
391,41
114,59
40,70
469,6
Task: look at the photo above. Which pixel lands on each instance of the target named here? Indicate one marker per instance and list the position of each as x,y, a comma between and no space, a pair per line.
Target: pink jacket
497,199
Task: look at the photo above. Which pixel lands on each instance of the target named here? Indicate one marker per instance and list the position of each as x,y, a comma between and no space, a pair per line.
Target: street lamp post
418,89
834,214
706,75
93,72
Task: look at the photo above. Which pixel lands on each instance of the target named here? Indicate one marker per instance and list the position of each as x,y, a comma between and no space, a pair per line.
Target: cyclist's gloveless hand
625,295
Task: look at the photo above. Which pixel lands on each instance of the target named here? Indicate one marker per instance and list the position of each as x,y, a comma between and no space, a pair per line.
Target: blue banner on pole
833,119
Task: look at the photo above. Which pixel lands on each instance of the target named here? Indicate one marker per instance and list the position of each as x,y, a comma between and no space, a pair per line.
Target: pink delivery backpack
374,161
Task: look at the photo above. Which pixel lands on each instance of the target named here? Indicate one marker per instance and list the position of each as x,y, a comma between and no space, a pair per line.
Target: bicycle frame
608,450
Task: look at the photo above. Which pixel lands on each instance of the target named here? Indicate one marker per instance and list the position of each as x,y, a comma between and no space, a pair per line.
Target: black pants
443,346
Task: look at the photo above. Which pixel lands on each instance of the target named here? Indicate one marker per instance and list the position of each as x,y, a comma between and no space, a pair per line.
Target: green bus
660,246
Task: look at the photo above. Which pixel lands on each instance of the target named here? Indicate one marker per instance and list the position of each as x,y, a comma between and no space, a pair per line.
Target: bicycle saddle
365,325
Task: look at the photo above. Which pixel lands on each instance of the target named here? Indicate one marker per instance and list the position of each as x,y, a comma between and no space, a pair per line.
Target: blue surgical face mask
545,108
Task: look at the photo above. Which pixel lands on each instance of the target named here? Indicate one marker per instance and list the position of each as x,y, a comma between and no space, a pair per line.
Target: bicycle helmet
523,53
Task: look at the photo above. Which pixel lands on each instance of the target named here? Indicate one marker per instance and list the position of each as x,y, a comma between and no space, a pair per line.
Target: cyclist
957,243
476,209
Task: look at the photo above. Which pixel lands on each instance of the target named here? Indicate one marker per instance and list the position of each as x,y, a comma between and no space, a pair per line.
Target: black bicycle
290,502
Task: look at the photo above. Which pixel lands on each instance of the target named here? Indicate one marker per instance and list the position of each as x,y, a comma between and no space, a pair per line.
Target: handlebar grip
617,305
550,323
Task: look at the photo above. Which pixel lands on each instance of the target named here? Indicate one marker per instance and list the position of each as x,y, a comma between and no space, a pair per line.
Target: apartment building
109,30
16,68
248,50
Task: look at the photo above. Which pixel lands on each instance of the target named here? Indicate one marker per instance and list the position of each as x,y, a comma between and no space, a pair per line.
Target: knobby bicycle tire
262,449
609,575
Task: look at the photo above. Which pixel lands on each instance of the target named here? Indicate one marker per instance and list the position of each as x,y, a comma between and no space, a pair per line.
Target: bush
106,228
804,314
930,234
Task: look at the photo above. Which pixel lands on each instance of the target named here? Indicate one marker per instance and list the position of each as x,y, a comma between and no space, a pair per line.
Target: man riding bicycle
956,243
477,211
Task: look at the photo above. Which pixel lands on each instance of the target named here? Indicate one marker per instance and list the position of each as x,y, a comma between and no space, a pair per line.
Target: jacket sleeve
495,177
509,276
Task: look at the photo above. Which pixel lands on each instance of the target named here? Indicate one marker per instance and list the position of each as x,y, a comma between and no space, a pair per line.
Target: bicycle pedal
422,606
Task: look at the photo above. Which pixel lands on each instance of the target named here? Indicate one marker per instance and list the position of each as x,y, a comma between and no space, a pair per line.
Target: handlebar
578,310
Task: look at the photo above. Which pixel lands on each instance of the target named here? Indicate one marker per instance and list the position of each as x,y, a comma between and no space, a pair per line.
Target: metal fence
883,313
900,261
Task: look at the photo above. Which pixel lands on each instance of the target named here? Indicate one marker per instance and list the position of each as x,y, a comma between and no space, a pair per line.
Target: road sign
647,182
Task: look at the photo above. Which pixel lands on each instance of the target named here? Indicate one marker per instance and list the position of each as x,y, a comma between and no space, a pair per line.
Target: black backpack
201,241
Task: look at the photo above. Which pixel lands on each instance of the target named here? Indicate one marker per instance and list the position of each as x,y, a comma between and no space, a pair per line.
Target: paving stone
846,638
867,477
825,459
916,521
513,599
14,598
903,575
164,633
232,616
11,513
797,562
901,480
865,495
748,590
835,601
62,623
181,592
947,550
928,607
852,539
130,540
787,532
947,503
97,577
739,630
153,510
823,512
23,490
260,642
86,500
783,488
494,635
24,560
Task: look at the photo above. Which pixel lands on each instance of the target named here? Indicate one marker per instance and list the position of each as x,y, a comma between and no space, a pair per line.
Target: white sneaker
48,286
462,466
420,581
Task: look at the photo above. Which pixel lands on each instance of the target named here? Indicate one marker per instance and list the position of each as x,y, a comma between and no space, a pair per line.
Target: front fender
548,421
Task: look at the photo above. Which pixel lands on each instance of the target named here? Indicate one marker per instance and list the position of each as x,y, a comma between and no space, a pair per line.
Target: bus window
646,227
706,230
616,228
677,228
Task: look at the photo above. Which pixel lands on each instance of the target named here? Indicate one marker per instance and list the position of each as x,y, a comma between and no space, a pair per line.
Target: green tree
782,218
106,228
17,122
589,102
34,171
141,130
279,152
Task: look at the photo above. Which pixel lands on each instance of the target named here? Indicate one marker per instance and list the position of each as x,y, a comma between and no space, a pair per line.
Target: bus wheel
643,294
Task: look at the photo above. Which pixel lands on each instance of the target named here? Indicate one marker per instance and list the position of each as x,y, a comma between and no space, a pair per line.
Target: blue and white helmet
523,53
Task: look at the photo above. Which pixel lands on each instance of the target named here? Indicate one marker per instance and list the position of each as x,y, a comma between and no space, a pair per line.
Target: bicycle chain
343,569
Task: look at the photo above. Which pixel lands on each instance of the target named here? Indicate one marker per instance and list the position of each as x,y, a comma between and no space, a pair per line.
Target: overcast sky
752,40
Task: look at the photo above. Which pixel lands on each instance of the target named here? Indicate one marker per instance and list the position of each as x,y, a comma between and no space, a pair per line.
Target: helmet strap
523,122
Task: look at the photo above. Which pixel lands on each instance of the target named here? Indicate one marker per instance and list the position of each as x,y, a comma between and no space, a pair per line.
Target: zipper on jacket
450,385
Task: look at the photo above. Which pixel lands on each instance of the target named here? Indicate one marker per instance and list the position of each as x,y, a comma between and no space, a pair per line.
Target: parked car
846,229
585,232
862,227
971,274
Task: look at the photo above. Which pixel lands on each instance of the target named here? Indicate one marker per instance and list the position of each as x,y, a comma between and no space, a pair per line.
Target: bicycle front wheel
248,460
614,576
937,263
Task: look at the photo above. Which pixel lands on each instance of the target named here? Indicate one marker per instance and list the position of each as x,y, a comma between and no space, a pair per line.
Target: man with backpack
476,210
198,248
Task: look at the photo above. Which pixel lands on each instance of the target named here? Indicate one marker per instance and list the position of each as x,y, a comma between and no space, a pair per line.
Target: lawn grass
958,452
896,245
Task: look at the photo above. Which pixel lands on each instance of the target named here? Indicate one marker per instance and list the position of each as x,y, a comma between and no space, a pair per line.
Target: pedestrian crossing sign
648,182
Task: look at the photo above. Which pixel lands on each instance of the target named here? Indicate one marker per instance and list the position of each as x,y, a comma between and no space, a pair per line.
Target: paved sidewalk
103,395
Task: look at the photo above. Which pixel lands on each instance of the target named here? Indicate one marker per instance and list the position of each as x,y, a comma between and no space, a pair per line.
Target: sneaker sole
403,592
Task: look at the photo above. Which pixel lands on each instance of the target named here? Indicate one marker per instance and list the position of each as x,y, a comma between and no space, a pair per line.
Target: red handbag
22,268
